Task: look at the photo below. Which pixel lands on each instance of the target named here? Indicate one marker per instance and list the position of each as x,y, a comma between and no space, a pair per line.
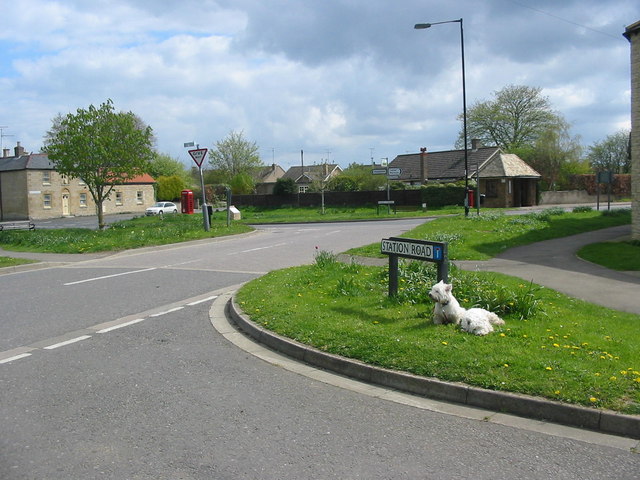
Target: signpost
198,155
418,250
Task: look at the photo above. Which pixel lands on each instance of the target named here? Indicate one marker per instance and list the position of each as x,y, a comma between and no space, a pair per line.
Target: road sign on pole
198,155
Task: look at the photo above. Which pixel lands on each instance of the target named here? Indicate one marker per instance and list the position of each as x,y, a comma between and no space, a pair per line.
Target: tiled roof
507,165
33,161
312,172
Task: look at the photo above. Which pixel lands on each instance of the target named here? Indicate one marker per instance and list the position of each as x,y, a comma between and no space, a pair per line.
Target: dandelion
502,335
557,392
593,399
505,365
597,374
548,368
445,343
556,345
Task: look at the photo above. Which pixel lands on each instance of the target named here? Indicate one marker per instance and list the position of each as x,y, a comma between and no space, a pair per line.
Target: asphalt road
113,370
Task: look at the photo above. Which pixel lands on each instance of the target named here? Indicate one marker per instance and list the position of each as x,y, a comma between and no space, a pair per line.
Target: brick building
30,188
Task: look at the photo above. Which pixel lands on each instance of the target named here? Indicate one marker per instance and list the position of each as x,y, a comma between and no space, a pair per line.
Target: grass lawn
552,345
135,233
624,256
12,262
334,214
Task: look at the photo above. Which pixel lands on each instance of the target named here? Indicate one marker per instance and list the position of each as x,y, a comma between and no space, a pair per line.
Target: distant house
304,176
30,188
505,179
266,178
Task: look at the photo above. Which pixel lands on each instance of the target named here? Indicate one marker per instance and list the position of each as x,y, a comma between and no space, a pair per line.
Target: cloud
344,76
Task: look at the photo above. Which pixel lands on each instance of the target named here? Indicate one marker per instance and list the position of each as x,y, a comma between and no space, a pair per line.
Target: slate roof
448,166
310,173
32,161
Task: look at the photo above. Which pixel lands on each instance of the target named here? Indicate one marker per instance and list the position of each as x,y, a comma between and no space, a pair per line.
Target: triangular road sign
198,155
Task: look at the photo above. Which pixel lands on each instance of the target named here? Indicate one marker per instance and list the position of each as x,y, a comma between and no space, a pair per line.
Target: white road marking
109,276
202,301
16,357
120,325
67,342
257,249
166,311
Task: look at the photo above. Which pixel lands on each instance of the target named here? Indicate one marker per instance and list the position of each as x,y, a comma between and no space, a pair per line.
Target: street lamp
422,26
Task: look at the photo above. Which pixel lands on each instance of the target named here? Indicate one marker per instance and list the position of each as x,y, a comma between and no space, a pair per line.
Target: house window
46,200
118,198
140,197
303,188
65,179
83,200
46,177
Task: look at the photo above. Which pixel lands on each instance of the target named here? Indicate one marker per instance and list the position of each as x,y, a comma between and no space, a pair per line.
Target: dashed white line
202,301
67,342
120,325
166,311
15,357
109,276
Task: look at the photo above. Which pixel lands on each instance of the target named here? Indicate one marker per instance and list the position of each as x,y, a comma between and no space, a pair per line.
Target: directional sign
198,155
379,171
395,171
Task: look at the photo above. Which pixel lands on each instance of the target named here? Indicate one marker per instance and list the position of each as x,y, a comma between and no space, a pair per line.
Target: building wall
47,189
14,202
634,38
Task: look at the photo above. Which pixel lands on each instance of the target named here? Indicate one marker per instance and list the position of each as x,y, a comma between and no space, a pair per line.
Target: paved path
554,264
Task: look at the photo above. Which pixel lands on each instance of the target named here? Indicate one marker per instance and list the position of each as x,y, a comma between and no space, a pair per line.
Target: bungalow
266,178
303,176
30,188
505,179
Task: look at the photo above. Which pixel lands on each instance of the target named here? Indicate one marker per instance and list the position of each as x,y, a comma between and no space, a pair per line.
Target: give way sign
198,155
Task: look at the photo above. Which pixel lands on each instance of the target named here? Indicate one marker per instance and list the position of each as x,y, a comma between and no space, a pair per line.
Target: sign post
198,155
418,250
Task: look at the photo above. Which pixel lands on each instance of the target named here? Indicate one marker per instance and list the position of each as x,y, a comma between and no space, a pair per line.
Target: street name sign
198,155
395,171
379,171
411,248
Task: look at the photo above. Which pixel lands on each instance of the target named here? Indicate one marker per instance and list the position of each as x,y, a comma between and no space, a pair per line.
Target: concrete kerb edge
522,405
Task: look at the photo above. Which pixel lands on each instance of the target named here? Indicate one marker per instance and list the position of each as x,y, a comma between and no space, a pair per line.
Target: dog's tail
495,319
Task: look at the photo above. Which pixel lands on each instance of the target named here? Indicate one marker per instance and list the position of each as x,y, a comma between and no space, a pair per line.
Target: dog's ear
448,287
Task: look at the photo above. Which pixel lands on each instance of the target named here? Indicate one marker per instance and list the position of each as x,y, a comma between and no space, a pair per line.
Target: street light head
422,26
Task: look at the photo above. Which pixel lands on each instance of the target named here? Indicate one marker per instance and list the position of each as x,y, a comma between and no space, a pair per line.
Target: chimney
5,152
475,144
19,149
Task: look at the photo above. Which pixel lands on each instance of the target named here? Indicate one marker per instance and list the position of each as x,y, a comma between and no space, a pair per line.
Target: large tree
234,155
101,147
514,118
613,153
164,165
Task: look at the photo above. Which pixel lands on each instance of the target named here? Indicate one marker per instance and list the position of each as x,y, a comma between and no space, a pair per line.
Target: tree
242,183
169,188
357,177
613,153
234,154
515,118
163,165
556,155
101,147
284,186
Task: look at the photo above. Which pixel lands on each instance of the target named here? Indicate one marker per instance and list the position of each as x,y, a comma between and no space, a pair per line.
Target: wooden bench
389,204
18,225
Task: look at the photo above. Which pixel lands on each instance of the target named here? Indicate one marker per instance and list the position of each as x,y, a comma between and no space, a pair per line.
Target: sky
343,80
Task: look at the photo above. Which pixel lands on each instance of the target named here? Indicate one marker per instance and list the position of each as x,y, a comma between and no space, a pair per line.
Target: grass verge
12,262
135,233
483,237
623,256
552,345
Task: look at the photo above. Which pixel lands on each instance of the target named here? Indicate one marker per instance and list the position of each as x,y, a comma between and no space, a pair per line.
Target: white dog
447,310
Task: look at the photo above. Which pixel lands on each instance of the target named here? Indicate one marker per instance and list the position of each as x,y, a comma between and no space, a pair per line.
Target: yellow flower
445,343
556,345
502,334
548,368
506,364
637,379
593,399
613,379
597,374
557,392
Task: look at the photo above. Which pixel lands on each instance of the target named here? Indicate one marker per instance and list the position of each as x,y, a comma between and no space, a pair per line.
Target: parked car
160,208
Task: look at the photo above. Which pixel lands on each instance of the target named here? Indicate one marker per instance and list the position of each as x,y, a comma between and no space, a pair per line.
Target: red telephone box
186,201
471,195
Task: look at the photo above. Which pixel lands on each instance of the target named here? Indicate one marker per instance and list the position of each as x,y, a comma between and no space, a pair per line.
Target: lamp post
421,26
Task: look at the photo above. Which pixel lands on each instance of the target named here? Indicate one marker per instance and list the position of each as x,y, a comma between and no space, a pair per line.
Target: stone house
30,188
632,33
266,178
304,177
505,179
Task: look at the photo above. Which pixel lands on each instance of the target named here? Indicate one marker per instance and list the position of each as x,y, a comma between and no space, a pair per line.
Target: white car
160,208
